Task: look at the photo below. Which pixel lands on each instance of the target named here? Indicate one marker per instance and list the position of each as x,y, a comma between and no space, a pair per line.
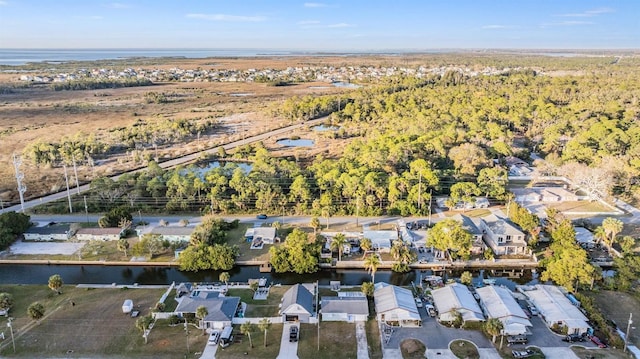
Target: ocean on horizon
18,57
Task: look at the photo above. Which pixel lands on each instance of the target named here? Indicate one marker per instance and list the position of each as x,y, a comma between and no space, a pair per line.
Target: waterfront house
96,233
173,233
51,232
266,235
556,309
498,302
502,236
471,225
297,304
346,307
380,240
221,309
395,306
454,298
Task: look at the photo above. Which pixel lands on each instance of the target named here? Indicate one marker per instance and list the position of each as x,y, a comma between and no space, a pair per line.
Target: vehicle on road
570,338
597,341
517,339
294,334
522,353
214,337
261,216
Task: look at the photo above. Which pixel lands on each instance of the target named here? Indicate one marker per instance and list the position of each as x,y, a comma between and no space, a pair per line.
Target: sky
340,25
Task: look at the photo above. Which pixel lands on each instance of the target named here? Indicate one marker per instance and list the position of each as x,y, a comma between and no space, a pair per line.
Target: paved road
168,164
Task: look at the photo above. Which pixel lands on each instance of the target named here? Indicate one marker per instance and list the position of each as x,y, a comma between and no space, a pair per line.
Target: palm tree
366,245
246,329
371,263
123,245
494,327
224,277
315,224
600,234
201,313
396,249
263,325
338,243
612,227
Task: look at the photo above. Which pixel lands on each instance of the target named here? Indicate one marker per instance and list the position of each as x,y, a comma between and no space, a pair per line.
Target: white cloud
314,4
566,23
308,22
492,27
225,17
589,13
340,25
117,5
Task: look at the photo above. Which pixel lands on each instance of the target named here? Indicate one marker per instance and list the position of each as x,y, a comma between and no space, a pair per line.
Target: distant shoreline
20,57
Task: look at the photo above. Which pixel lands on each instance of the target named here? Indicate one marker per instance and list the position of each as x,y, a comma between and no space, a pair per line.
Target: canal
99,274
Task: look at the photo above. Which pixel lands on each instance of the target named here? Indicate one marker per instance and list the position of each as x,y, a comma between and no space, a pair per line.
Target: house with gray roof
52,232
471,225
96,233
502,236
221,309
297,304
395,306
345,308
173,233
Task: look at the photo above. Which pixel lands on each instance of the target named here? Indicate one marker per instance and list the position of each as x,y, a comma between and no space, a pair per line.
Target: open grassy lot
616,306
412,349
241,349
330,335
579,206
599,354
94,327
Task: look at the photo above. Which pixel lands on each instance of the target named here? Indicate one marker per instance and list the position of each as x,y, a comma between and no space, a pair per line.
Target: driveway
361,338
209,352
543,337
436,336
288,350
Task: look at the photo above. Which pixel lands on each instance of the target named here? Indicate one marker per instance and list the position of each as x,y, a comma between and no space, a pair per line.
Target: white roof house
381,240
456,297
173,233
345,308
498,302
395,306
473,227
94,233
556,308
503,236
266,234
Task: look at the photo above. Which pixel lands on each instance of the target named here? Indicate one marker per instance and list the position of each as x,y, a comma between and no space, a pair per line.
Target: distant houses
96,233
51,232
173,233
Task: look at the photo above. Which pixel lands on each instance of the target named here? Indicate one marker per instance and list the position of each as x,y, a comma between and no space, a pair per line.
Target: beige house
105,234
502,236
173,233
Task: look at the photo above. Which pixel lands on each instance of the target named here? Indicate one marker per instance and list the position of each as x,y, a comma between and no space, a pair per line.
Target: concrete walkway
393,354
440,354
361,337
288,350
488,353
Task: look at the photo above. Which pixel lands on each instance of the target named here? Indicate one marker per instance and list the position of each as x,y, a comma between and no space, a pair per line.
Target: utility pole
75,172
430,199
419,190
317,315
66,179
626,337
357,210
10,325
86,209
19,177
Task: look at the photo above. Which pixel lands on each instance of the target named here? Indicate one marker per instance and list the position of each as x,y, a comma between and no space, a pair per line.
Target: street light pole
626,337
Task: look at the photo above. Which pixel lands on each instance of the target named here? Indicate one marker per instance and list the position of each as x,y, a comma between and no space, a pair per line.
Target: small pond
323,128
345,85
302,142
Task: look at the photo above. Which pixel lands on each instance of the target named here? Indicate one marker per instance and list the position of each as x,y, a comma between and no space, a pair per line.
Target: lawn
260,308
373,339
331,333
464,349
242,349
580,206
93,325
616,306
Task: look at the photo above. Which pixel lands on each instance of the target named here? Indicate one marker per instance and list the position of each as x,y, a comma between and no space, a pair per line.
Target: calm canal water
74,274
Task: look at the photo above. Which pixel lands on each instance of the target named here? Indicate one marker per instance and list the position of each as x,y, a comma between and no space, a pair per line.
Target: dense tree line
12,224
99,84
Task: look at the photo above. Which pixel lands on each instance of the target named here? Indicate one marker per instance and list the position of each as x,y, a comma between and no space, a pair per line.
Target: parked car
533,310
293,334
573,338
418,302
597,341
431,310
261,216
522,353
517,339
214,337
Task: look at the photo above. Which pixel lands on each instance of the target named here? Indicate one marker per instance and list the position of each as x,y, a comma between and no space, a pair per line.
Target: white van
226,338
